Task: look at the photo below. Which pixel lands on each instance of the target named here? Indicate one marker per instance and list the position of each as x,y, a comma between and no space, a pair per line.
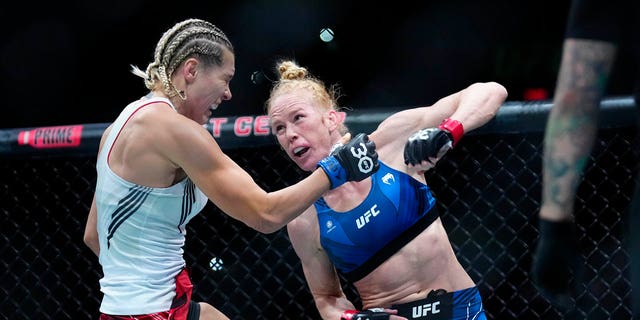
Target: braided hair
188,38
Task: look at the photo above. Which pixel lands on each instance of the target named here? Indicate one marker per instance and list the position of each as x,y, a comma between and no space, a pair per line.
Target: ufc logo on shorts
365,164
425,309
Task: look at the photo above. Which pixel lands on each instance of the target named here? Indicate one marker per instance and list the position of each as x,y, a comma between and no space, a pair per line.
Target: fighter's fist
427,146
353,161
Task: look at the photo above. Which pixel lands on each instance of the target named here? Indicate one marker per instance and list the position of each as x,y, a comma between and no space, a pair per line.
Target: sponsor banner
229,133
244,126
240,132
51,137
255,131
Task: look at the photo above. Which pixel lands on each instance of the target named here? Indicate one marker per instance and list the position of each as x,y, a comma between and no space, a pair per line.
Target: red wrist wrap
454,127
348,314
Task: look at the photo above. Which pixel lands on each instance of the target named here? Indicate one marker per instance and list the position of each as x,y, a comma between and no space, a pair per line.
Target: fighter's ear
336,118
190,69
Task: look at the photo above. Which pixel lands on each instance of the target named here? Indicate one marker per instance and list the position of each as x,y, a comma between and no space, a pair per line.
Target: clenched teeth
299,150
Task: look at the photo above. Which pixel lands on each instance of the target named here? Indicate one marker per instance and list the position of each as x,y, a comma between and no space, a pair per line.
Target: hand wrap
432,143
353,161
369,314
557,257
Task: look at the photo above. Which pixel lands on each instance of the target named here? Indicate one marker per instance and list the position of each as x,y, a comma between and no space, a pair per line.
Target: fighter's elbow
266,225
495,96
499,91
494,89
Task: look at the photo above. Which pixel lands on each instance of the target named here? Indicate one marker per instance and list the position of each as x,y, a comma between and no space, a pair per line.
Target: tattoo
573,122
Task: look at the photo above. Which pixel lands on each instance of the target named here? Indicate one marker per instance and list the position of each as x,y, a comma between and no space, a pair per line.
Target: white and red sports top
141,231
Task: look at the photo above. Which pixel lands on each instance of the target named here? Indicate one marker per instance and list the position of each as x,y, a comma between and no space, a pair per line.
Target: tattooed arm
570,134
573,123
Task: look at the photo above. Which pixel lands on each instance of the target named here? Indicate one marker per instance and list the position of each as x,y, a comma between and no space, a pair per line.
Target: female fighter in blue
382,233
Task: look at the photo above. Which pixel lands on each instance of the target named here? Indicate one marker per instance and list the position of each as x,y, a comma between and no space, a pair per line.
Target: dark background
68,63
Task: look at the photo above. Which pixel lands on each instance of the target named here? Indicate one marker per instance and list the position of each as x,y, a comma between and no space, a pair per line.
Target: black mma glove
556,259
432,142
370,314
353,161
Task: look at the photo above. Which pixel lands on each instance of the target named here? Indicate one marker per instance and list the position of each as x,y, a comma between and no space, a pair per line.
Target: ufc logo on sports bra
425,309
366,217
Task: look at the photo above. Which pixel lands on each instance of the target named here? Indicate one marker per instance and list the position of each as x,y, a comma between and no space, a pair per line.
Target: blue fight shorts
442,305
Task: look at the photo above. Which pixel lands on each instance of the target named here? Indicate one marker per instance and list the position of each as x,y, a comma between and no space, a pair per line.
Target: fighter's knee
208,312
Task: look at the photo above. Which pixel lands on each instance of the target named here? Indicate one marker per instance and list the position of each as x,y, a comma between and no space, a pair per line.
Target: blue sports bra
397,209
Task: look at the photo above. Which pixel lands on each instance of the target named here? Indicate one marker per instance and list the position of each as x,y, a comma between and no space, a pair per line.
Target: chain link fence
488,192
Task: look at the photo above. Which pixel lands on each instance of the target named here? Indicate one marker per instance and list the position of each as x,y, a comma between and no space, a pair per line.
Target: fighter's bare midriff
424,264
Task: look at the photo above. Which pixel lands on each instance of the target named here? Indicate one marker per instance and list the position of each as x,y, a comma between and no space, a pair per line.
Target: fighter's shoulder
160,120
105,134
153,112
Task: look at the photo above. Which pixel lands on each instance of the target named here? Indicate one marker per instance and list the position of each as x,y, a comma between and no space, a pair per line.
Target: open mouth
299,151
